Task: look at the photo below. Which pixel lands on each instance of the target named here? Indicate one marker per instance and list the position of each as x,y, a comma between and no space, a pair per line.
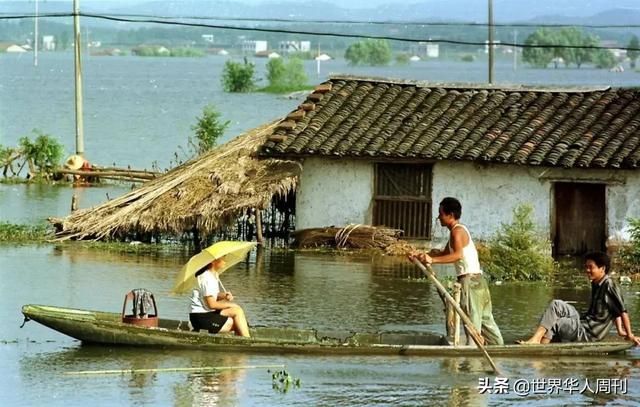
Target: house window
402,198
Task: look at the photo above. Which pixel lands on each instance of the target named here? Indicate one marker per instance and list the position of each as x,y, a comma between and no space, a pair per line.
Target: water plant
15,233
282,381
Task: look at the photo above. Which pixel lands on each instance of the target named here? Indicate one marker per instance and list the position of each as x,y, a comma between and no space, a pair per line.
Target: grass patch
14,233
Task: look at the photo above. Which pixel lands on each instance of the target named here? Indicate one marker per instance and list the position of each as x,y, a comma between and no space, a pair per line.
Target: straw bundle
351,236
201,195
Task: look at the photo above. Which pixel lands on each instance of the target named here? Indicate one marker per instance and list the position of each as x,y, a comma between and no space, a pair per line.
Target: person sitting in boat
561,322
212,309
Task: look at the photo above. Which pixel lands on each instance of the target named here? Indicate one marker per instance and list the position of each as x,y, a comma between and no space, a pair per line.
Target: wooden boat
108,329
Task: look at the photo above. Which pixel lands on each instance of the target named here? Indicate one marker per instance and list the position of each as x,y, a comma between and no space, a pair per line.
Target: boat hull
107,329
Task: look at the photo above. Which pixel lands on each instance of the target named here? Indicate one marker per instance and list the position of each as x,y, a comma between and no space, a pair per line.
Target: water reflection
214,388
465,390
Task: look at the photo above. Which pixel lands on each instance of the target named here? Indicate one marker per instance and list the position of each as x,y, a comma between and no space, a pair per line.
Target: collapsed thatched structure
200,196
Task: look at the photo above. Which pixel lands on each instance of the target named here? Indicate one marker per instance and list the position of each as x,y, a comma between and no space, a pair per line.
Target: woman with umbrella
212,309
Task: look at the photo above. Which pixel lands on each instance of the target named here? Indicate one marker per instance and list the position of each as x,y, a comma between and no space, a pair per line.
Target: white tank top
469,263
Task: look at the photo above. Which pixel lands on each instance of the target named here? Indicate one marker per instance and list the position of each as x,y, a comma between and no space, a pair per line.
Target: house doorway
579,218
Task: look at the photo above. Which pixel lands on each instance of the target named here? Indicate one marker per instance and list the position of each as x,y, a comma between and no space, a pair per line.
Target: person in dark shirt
561,322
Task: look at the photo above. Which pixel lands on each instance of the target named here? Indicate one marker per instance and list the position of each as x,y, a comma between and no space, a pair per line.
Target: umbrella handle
221,285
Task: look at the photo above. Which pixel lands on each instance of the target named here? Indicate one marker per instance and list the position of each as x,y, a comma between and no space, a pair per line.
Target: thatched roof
205,193
400,120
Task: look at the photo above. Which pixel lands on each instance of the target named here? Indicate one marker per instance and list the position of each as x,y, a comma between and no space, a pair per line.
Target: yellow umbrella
231,252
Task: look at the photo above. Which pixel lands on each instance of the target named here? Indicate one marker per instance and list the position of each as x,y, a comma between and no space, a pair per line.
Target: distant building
425,50
287,47
254,46
48,43
208,38
612,46
15,49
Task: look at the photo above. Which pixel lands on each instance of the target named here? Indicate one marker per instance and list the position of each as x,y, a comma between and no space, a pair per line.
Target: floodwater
351,291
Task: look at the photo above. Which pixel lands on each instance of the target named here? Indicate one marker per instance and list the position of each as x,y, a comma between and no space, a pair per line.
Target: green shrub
45,152
468,58
187,52
369,52
238,77
402,59
628,257
207,130
286,76
517,251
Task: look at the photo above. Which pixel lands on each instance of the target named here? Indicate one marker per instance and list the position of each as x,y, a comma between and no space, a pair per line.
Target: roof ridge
472,86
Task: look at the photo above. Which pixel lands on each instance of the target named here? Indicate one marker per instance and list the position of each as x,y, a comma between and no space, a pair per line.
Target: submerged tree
634,53
369,52
42,154
286,76
238,77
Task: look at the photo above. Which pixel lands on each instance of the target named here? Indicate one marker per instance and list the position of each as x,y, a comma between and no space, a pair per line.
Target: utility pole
515,50
35,38
490,42
78,70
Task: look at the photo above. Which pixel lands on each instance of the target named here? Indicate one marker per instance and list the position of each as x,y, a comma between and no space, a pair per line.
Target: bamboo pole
74,203
457,291
258,214
172,369
100,173
465,319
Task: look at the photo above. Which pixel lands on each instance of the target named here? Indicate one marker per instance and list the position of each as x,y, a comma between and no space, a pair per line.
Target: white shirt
207,286
469,263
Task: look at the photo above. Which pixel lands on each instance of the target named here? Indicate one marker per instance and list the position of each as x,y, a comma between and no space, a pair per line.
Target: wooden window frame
417,219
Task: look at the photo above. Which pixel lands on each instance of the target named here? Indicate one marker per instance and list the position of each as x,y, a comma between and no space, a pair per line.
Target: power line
359,22
322,34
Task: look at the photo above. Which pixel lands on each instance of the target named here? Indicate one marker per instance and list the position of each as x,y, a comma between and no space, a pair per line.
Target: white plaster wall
488,194
339,192
334,192
623,202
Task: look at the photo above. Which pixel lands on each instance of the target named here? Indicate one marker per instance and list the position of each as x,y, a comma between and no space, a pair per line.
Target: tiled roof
355,117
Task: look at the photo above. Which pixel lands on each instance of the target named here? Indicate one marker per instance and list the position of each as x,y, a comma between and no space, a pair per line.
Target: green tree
577,56
628,256
633,54
369,52
238,77
276,71
286,76
539,57
402,59
64,41
296,77
518,251
604,59
207,130
43,154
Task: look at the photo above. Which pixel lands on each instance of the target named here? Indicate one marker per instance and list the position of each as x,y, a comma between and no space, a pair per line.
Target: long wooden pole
173,369
35,37
78,70
465,319
490,40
